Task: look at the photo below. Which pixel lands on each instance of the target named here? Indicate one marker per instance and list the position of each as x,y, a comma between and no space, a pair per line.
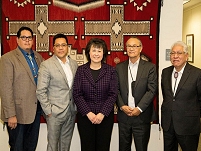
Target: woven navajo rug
112,20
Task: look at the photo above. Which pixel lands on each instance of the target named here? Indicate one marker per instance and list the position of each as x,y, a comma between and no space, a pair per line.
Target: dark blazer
145,89
184,108
95,96
17,87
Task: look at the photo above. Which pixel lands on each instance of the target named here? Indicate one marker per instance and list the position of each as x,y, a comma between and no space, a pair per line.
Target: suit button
173,99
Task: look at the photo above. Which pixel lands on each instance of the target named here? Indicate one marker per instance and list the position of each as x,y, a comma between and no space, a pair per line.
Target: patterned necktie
32,64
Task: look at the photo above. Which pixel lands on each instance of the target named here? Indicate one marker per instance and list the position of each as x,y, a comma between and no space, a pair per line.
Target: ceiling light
185,1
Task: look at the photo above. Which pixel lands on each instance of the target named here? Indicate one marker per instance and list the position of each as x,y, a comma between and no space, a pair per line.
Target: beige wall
192,25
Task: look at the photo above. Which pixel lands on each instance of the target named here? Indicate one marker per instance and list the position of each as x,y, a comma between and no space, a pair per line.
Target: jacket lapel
58,65
124,73
169,80
72,67
102,71
37,59
22,59
184,77
139,71
88,74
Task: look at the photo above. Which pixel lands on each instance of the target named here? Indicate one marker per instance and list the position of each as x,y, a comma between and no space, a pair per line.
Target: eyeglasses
134,46
24,38
60,45
178,53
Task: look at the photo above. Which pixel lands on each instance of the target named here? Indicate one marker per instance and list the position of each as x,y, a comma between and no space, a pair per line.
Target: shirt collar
24,52
136,63
181,71
67,59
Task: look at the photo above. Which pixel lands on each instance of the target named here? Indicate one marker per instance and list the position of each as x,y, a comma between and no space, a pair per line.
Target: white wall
170,31
191,25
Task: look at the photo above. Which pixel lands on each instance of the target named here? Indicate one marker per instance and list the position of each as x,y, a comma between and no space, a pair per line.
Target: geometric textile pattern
79,6
42,27
116,28
114,21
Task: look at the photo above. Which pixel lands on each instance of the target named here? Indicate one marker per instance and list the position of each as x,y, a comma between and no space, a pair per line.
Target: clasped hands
130,111
95,119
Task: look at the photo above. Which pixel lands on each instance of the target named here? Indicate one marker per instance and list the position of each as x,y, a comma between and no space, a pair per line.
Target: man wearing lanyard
137,88
18,78
180,110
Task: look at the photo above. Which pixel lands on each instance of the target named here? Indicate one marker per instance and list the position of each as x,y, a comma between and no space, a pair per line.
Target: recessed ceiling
191,3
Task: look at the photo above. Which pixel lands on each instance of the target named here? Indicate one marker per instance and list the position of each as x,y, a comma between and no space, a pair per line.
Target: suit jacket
96,96
183,108
53,90
17,87
145,90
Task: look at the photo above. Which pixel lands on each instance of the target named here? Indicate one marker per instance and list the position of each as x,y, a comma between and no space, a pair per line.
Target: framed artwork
190,44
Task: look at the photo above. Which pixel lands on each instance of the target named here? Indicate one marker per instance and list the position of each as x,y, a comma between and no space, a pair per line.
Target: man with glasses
54,91
180,110
18,79
137,88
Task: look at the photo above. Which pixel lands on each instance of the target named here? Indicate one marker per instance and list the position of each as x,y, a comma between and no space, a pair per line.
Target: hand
135,112
91,116
128,110
12,122
99,118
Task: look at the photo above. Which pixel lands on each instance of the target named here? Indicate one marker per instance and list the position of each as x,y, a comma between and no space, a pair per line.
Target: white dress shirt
67,70
175,81
132,73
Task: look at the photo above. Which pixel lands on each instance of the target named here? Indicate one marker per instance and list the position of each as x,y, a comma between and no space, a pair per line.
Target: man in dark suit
180,111
21,110
137,87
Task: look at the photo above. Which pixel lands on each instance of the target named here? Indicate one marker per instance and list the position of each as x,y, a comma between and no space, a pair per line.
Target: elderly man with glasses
137,88
180,111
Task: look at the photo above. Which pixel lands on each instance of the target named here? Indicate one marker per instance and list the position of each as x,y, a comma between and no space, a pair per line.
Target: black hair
24,28
59,36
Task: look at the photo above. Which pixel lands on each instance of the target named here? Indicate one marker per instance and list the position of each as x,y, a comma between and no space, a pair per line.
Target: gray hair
181,43
135,37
